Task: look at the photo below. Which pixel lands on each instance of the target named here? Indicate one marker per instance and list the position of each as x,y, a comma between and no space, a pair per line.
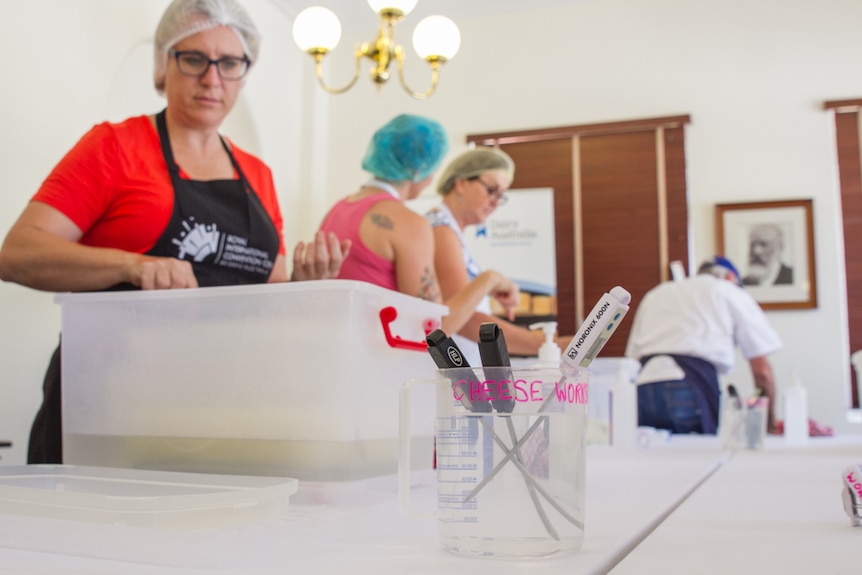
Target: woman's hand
42,251
507,293
320,259
151,273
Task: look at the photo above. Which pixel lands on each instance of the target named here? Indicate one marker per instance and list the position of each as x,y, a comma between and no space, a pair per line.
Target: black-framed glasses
195,64
494,193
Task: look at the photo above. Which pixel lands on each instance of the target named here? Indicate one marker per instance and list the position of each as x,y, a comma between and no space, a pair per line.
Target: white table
777,510
628,495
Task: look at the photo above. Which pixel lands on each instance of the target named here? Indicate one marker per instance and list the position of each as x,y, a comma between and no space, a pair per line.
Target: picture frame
772,245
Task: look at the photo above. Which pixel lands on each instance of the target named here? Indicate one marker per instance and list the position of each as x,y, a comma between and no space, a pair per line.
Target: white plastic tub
295,379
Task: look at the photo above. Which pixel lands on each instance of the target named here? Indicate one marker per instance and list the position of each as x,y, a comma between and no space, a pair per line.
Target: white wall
752,75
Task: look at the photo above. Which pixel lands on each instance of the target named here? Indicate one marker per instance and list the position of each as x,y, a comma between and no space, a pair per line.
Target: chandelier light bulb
315,28
317,31
436,36
405,6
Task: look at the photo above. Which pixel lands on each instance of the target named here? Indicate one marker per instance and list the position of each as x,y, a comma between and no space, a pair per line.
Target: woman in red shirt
162,201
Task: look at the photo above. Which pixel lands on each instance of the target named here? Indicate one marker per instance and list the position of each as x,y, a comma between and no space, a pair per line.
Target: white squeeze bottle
549,352
624,411
796,413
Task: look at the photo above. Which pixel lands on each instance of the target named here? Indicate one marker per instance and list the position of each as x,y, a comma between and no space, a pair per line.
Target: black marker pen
447,355
495,353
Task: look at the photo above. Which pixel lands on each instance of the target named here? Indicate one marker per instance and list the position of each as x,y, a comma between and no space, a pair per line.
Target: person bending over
685,333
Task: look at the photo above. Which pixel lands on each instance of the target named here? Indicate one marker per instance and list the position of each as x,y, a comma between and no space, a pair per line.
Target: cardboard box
294,379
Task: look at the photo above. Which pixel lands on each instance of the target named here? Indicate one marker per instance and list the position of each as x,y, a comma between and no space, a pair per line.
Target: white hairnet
474,163
182,18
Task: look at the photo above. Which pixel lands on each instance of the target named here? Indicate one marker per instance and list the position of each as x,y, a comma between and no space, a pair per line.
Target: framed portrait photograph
772,245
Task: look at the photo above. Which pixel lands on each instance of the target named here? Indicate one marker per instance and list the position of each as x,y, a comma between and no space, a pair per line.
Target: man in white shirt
684,334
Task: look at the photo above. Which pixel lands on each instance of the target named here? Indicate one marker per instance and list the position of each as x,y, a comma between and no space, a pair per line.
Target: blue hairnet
726,264
407,148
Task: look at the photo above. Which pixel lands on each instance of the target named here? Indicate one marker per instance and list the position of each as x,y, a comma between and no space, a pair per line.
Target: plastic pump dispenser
549,352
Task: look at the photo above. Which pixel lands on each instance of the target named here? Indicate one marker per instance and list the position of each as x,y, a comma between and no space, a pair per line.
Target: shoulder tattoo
382,221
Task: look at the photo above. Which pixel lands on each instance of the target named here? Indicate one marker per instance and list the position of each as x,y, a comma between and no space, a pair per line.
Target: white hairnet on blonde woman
474,163
182,18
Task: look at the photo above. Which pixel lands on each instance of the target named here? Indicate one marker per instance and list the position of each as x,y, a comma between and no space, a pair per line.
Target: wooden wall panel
850,176
620,225
677,196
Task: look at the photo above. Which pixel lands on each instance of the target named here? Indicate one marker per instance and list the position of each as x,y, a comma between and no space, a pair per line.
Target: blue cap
726,263
407,148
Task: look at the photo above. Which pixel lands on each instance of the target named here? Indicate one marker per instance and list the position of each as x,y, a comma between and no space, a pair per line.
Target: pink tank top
362,263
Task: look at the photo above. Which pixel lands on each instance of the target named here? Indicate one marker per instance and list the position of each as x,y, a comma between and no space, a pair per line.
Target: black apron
220,226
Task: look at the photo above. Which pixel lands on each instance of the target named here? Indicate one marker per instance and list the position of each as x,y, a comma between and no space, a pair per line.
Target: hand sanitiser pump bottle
549,352
624,411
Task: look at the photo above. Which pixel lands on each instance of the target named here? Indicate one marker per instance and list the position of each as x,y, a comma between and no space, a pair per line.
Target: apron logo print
198,241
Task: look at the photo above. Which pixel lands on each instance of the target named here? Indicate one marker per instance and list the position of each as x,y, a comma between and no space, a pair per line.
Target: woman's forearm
43,261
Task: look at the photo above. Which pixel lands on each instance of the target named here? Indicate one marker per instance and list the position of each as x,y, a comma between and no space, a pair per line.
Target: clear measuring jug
510,458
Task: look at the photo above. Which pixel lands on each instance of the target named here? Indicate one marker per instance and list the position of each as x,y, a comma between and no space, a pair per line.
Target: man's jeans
669,405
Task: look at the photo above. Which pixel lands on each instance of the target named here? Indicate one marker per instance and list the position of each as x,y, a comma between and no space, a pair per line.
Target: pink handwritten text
571,392
520,390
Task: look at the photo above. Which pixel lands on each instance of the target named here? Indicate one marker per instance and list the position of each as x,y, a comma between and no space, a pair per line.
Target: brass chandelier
436,39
